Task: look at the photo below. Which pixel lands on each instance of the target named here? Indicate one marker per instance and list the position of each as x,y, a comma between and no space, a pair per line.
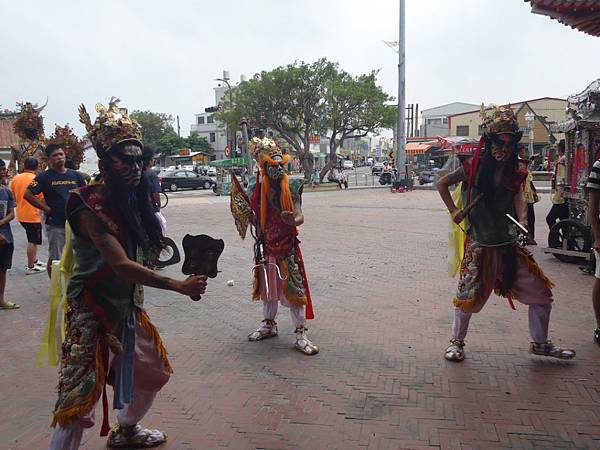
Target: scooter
385,178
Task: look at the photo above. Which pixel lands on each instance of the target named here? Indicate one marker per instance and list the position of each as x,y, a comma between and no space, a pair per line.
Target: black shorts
33,231
6,252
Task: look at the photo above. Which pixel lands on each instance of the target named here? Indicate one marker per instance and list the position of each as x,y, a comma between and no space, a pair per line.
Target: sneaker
40,264
597,336
34,269
268,329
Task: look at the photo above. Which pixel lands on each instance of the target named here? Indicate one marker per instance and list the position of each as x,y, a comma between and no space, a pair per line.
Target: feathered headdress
29,118
72,146
112,126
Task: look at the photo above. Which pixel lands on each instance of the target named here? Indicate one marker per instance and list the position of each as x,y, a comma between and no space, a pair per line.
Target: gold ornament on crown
112,126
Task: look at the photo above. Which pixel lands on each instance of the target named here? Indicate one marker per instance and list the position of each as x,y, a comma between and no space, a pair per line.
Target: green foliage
301,100
158,132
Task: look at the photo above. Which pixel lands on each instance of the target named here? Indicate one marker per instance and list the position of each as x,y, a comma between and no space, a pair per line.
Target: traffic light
211,109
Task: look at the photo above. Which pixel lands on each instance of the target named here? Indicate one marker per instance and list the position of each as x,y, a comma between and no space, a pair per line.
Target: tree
355,107
290,100
198,144
157,131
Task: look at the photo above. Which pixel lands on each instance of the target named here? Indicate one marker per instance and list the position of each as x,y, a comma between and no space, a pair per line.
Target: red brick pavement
377,264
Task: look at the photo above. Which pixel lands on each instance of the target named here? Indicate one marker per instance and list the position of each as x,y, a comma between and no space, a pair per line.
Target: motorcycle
385,178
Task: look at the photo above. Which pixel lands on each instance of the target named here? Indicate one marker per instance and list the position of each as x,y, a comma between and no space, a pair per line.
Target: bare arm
156,197
443,187
114,254
520,207
36,202
10,216
592,215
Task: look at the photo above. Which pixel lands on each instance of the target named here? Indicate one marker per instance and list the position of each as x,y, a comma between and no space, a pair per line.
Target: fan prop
202,254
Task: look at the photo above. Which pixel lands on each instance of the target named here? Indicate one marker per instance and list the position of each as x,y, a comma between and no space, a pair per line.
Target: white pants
296,312
69,436
539,317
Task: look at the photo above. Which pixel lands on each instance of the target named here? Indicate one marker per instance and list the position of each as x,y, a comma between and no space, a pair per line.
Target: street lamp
529,118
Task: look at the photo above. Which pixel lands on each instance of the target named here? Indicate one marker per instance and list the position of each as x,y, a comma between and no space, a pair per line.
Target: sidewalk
377,266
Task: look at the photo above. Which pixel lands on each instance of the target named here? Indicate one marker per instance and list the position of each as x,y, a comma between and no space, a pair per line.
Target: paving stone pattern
377,265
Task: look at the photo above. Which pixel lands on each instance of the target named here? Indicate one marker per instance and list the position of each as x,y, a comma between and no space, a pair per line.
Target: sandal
9,305
549,349
268,329
135,437
304,344
456,351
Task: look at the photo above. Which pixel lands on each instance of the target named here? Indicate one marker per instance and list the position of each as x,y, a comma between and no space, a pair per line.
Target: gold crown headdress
71,144
500,120
112,126
264,150
29,118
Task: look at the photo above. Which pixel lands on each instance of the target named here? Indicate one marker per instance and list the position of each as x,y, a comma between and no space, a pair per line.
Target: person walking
530,194
55,183
560,208
593,187
28,215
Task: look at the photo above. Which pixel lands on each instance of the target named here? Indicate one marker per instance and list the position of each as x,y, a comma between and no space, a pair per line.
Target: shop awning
417,148
583,15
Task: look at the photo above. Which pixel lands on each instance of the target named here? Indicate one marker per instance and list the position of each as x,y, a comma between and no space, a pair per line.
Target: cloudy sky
164,56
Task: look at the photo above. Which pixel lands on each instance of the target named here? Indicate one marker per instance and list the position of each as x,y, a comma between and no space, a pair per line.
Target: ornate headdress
72,146
112,126
500,121
264,150
29,118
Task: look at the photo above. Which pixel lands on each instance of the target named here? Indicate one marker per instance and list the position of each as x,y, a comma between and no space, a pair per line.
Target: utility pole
400,126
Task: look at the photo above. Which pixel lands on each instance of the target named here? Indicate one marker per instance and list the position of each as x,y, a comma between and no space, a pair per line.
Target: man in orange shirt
28,215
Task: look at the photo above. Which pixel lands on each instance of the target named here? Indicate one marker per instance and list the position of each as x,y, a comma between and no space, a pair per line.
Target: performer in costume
109,337
493,260
276,211
29,126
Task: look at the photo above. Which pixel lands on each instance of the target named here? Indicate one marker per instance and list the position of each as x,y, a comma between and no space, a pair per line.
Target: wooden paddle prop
201,256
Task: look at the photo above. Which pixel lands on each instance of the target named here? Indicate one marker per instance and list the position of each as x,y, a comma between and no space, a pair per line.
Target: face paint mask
501,153
275,171
127,165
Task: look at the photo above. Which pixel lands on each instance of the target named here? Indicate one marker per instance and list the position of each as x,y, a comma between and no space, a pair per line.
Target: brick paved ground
378,270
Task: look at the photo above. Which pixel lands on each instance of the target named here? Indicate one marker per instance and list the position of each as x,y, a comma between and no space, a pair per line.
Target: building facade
546,111
434,121
209,128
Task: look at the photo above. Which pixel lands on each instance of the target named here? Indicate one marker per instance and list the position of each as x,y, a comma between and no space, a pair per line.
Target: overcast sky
164,56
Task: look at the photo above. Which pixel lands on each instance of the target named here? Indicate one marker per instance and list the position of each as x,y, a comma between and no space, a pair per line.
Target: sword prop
516,222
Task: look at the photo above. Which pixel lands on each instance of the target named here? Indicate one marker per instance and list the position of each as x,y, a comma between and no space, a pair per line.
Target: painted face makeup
127,165
276,171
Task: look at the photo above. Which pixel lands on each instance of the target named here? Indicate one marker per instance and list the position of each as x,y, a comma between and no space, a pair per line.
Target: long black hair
487,174
135,208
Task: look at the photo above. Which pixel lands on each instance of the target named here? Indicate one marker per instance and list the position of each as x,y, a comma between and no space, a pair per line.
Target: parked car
348,164
370,161
173,180
377,168
211,171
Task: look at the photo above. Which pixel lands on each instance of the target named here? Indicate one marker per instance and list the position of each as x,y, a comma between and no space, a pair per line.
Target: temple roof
583,15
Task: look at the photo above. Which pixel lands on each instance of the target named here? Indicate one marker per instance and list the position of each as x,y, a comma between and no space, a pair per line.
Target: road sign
227,152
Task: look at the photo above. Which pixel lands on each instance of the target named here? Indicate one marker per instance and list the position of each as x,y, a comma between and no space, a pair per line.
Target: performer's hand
596,245
457,216
194,285
288,217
